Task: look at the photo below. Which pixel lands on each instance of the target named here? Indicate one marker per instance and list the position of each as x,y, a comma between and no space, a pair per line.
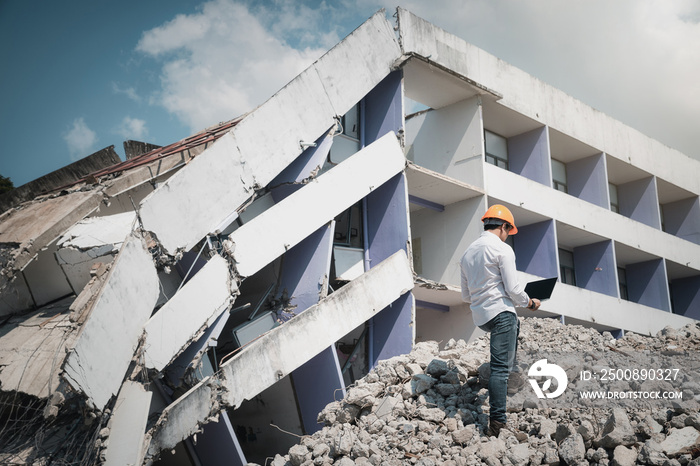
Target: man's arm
510,280
466,296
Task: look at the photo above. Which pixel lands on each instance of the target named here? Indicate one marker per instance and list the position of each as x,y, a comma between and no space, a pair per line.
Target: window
496,149
566,267
347,143
348,227
661,215
622,281
351,122
559,176
614,205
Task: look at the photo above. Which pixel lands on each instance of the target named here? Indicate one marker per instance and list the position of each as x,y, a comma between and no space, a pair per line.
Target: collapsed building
196,302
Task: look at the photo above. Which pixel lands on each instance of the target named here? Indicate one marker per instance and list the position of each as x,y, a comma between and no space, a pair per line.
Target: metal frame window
496,149
622,282
614,204
567,268
559,179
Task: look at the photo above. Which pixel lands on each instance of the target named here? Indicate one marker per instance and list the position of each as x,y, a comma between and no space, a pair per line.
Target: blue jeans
504,328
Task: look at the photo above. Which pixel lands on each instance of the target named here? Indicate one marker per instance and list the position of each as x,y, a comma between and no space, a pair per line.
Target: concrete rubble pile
431,407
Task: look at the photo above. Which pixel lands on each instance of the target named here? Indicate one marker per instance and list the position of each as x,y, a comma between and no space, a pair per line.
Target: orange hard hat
502,213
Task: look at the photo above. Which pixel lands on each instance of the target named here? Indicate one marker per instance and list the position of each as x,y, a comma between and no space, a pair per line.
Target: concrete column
384,108
387,225
528,155
306,268
535,248
595,267
587,180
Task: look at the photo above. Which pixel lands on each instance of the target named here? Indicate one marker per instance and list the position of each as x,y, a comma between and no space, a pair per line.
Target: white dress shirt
489,279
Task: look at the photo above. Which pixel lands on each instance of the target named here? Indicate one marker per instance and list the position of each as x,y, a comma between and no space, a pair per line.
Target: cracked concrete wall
277,353
97,363
329,194
268,139
192,310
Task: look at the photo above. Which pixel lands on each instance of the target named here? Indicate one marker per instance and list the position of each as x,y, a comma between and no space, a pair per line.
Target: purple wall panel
686,297
391,334
682,218
383,110
587,181
218,445
595,268
536,250
306,163
387,222
646,284
303,270
316,384
638,201
304,266
528,155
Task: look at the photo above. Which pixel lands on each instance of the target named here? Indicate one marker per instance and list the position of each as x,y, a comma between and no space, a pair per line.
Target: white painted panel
303,212
76,264
195,307
128,426
249,331
349,262
108,339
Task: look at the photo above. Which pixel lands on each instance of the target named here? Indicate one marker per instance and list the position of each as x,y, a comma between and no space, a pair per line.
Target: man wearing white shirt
490,284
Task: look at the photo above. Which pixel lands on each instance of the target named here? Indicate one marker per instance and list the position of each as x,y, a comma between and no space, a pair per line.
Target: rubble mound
430,407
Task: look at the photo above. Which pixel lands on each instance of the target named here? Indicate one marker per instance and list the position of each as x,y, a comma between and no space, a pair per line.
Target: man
490,285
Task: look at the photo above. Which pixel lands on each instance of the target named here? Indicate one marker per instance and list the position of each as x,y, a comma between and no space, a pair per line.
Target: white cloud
80,139
132,128
223,61
130,92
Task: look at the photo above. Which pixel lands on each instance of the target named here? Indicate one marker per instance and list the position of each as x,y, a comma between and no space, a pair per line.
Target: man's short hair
493,223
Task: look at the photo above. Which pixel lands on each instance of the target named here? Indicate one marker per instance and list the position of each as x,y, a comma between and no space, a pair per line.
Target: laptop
541,289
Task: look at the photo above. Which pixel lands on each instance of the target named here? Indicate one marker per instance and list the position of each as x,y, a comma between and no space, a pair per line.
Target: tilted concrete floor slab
279,352
97,364
187,314
128,426
314,205
195,200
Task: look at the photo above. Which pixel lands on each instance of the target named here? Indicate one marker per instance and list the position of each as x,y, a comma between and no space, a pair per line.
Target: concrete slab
93,232
33,226
33,347
128,426
277,353
189,204
329,194
193,309
97,363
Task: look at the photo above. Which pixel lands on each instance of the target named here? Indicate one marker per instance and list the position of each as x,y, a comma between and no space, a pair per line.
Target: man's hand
534,304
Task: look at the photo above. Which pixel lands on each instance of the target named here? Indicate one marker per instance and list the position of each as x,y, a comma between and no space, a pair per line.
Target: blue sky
82,75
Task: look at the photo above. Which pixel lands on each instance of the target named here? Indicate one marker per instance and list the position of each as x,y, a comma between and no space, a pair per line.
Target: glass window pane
558,171
496,145
613,193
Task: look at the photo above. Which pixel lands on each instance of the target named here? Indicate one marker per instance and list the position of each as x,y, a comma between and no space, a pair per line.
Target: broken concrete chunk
680,441
98,362
617,430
